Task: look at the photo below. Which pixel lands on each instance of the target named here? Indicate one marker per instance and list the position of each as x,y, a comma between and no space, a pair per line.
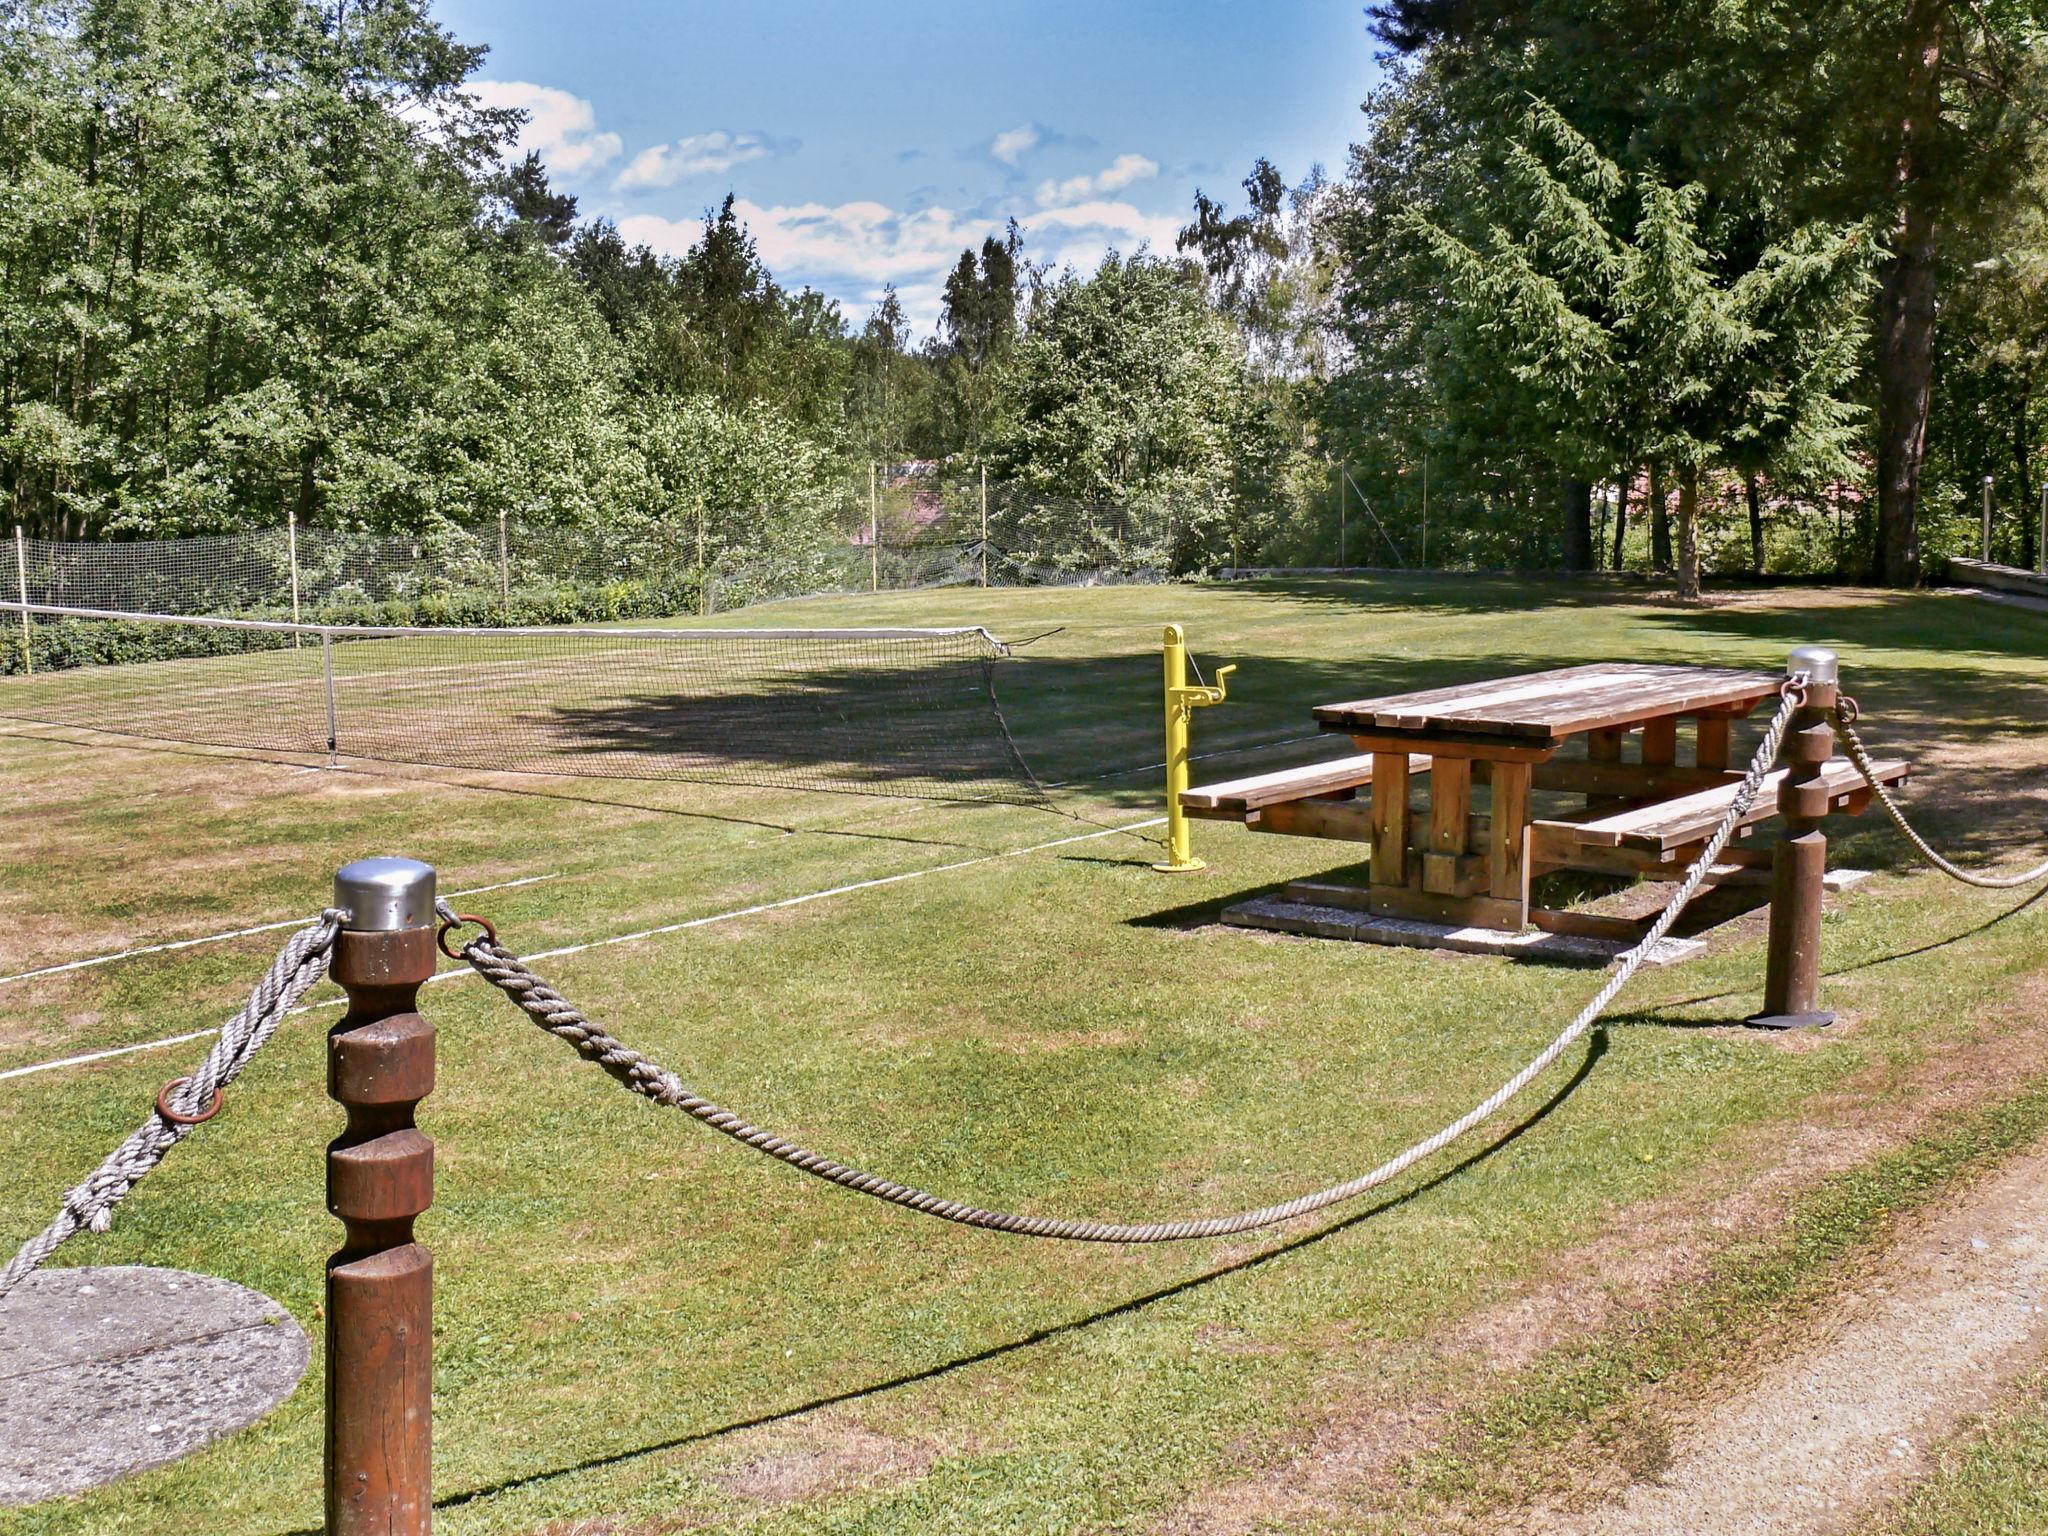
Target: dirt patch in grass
1952,1315
1353,1454
827,1455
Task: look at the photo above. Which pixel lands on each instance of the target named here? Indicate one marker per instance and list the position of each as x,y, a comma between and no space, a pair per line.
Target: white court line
234,933
459,972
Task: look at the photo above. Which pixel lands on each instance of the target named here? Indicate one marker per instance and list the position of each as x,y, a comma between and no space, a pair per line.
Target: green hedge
65,643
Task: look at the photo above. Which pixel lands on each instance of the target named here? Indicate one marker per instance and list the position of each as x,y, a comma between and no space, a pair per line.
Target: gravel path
1956,1313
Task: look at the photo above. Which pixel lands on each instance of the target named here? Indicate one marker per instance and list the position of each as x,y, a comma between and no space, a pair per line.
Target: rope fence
186,1102
553,1013
1845,717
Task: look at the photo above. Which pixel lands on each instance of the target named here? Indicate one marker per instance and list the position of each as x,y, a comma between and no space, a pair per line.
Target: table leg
1390,818
1507,840
1603,747
1450,811
1711,748
1660,741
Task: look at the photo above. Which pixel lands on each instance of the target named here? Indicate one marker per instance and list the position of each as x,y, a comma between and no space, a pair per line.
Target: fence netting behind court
899,712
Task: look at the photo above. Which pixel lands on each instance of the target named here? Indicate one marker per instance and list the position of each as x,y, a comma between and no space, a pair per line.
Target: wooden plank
1450,744
1631,781
1557,703
1507,844
1235,796
1712,740
1423,906
1604,746
1667,823
1344,820
1390,819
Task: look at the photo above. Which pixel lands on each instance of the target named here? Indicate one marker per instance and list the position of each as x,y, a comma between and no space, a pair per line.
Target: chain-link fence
920,530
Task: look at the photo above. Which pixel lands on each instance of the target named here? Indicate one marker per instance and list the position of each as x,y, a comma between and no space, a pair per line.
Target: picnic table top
1545,706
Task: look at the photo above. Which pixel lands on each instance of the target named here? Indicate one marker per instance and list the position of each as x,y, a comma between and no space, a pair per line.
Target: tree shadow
1596,1048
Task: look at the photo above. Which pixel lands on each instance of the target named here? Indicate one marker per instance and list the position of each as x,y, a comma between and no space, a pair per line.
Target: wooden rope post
380,1175
1799,864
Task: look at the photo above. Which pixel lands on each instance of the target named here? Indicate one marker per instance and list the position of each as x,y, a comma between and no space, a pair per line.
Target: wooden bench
1315,800
1657,832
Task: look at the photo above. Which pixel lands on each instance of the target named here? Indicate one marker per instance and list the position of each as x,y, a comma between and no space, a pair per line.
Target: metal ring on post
177,1117
441,938
1847,710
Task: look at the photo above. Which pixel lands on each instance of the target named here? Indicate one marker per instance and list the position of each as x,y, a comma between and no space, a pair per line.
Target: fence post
2041,544
1799,864
874,533
28,648
380,1175
984,520
327,682
1987,519
291,554
504,573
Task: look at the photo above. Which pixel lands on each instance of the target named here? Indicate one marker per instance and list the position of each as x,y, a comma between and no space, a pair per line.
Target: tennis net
898,712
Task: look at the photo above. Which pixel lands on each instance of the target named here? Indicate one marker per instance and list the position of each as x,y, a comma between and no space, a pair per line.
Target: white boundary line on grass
459,972
233,933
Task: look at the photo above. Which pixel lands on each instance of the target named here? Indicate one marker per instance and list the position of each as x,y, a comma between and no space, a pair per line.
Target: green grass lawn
639,1322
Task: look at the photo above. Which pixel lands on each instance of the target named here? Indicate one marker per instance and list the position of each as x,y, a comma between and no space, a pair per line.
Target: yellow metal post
1181,703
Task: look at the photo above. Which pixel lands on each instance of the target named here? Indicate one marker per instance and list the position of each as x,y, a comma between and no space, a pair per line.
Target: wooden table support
380,1175
1800,860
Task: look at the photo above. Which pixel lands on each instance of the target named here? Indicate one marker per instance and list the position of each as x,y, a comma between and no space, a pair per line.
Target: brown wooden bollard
380,1175
1799,864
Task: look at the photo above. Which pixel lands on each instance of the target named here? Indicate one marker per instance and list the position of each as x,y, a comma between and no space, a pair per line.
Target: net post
1180,854
984,523
291,555
1799,863
377,1470
874,532
504,573
28,647
327,680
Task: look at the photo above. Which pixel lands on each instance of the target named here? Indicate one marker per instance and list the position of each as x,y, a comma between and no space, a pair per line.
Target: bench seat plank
1235,798
1667,824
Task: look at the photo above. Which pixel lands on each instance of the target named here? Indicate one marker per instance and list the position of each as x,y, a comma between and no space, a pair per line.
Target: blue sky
868,143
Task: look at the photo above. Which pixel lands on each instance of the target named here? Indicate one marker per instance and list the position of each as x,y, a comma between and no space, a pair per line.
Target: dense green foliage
1919,121
275,260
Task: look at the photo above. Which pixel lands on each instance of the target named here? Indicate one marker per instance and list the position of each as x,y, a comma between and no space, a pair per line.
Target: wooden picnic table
1500,732
1641,814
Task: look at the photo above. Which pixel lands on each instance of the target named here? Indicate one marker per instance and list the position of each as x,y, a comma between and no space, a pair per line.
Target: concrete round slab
105,1371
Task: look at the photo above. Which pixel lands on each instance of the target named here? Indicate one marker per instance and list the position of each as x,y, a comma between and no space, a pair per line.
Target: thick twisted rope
1845,722
302,962
547,1008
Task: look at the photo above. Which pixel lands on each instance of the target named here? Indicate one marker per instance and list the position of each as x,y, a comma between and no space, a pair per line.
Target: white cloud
1114,177
715,153
850,250
1014,143
560,127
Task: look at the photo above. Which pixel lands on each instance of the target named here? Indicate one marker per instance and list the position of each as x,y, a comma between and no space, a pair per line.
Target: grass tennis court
641,1328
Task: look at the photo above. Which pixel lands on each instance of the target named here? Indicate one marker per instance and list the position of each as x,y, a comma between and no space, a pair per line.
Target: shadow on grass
1595,1049
1653,1018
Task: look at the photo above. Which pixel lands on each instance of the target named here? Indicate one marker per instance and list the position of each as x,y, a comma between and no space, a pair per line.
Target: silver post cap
385,895
1820,664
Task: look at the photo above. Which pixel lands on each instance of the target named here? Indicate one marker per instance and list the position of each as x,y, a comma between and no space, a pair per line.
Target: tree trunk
1660,522
1621,489
1906,300
1578,525
1688,533
1756,521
